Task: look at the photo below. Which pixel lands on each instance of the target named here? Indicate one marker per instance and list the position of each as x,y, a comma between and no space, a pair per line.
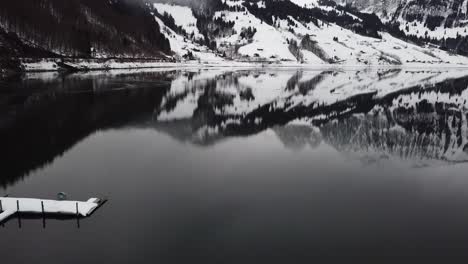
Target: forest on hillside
81,28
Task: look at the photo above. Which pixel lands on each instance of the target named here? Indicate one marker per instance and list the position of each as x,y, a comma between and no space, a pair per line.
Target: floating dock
10,206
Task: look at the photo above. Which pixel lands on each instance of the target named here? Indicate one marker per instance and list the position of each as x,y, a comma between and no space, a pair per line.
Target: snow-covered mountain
431,14
296,31
229,32
441,22
384,8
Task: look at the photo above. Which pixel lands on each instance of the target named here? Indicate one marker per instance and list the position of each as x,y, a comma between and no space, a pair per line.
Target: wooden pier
10,206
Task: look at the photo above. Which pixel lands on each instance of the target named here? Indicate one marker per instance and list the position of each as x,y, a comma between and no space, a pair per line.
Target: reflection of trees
40,120
309,85
44,124
305,86
362,123
294,80
297,137
429,136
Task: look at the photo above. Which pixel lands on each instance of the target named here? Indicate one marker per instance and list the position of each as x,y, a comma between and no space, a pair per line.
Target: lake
239,166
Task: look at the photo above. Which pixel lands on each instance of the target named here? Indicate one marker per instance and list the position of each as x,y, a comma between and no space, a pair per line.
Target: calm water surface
217,166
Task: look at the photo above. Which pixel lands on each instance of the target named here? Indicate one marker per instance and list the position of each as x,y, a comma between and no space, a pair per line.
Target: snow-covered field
339,45
268,42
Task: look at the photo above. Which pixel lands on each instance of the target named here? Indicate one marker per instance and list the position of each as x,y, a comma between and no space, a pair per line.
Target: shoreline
28,65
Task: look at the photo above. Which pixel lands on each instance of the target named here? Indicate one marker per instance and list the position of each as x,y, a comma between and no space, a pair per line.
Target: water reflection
42,118
414,117
418,116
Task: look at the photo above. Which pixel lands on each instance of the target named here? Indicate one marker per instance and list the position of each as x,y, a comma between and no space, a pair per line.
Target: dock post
19,216
77,217
43,215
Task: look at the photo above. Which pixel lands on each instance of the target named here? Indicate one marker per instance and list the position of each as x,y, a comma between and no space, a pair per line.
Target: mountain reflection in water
415,117
242,166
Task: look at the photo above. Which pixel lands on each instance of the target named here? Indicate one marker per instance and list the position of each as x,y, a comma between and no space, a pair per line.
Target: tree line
85,28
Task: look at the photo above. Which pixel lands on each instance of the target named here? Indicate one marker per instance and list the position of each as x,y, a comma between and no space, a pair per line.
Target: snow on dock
10,206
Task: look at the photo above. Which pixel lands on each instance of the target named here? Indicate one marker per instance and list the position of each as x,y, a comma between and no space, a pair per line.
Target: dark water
224,166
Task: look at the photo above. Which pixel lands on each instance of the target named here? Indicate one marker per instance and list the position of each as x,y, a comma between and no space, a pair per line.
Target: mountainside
205,6
430,13
291,32
443,23
297,31
83,28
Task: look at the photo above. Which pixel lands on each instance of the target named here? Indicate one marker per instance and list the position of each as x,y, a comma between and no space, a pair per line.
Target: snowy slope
306,3
450,16
245,36
183,17
182,46
419,29
336,44
267,43
350,48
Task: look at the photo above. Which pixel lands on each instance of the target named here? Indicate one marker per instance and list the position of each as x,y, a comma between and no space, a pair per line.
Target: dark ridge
80,28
